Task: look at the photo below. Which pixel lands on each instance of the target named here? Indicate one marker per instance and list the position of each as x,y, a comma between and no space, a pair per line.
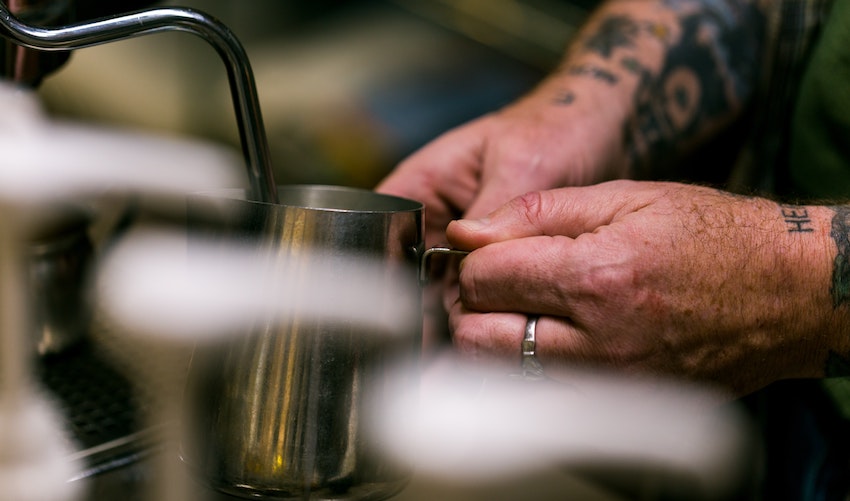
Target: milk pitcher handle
425,262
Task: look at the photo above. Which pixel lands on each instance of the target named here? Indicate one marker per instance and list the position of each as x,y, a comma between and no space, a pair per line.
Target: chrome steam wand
242,86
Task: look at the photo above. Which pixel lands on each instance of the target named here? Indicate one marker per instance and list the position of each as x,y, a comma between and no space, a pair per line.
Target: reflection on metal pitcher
279,413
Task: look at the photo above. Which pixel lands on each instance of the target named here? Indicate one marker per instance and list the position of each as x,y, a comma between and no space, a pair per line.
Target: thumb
565,211
496,192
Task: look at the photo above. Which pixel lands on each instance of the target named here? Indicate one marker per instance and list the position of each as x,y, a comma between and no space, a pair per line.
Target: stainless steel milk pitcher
280,413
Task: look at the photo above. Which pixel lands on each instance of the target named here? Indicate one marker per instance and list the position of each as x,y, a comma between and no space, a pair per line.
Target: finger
451,287
443,175
565,211
486,337
501,185
439,210
524,153
539,274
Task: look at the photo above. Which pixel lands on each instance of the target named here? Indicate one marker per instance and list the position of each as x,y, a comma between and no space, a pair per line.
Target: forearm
665,74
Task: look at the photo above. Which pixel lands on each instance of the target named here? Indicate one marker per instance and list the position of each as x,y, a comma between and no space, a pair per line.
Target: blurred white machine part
153,286
34,454
43,163
474,426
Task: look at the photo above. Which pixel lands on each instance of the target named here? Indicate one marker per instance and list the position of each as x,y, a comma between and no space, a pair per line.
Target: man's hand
468,172
535,144
654,278
643,84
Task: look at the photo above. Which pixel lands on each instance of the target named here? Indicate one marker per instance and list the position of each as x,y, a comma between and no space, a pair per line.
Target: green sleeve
819,151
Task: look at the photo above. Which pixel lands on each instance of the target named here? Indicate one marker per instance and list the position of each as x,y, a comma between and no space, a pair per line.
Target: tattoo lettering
840,233
593,72
797,219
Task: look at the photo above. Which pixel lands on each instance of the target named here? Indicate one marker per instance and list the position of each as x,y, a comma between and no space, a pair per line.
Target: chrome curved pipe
242,86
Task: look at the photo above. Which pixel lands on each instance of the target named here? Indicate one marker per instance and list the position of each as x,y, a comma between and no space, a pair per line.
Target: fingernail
474,224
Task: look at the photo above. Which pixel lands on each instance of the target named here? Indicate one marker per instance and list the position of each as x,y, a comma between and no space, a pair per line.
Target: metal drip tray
98,402
104,412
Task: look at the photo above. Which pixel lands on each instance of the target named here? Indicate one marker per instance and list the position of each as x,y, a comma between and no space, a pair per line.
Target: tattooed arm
660,278
643,83
687,68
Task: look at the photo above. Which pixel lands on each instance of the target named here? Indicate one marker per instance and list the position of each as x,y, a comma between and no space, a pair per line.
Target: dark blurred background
347,87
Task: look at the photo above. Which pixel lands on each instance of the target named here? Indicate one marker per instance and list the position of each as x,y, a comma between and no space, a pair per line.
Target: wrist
587,119
835,327
816,259
609,69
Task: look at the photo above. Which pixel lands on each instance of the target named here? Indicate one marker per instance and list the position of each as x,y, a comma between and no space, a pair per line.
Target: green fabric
820,131
839,391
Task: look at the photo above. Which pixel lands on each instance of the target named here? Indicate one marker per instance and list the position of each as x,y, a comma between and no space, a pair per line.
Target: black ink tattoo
593,72
796,219
706,76
613,32
836,364
840,233
621,31
633,66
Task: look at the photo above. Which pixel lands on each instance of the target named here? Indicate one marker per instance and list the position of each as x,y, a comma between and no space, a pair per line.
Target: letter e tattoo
797,219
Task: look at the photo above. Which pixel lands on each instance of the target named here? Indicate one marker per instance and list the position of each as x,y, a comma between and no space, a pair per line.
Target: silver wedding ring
530,367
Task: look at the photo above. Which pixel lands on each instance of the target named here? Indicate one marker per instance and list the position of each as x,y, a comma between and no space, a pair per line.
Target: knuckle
477,336
532,206
472,285
465,337
612,285
602,281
